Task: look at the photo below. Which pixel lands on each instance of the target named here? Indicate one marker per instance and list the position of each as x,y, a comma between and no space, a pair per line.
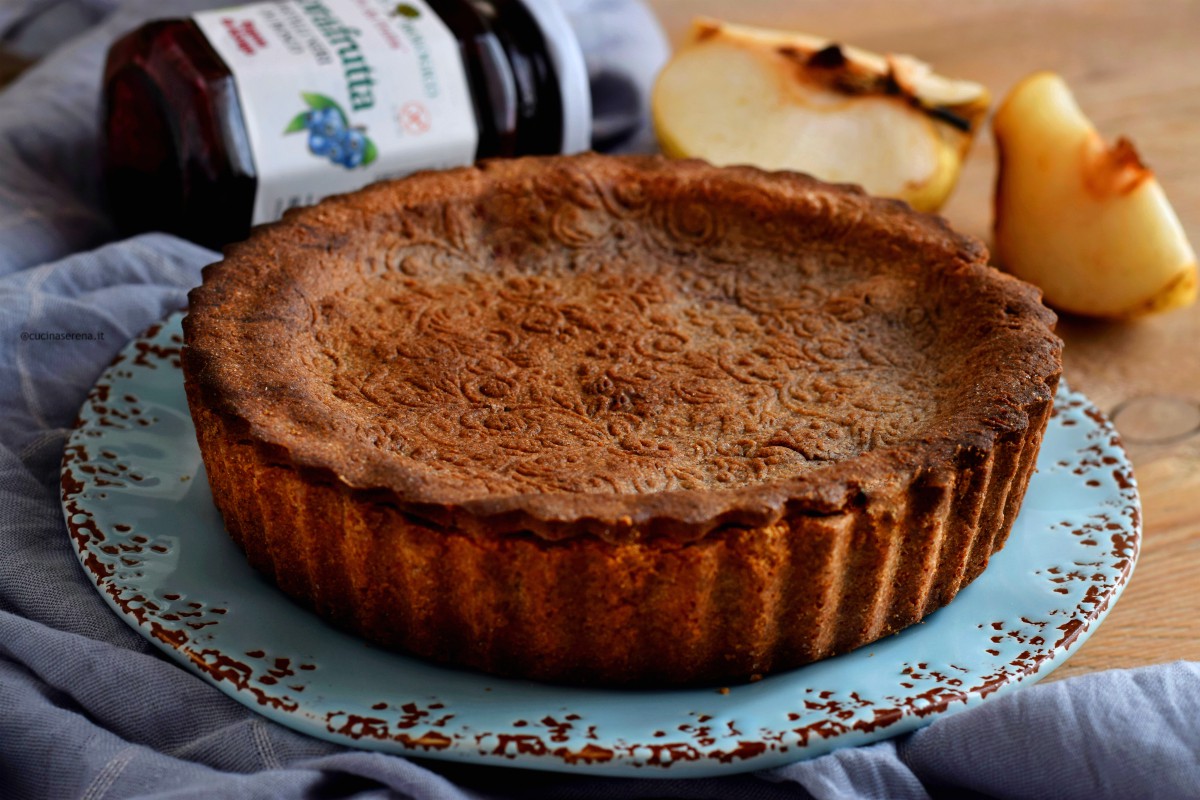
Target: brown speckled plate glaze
139,511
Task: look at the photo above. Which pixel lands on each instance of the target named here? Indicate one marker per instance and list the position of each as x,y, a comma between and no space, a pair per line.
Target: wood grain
1135,69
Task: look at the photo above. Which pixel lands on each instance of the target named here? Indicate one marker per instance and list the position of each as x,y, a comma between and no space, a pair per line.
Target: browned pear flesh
1087,222
734,94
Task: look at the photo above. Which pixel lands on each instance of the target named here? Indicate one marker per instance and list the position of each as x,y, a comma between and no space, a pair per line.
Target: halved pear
739,95
1086,222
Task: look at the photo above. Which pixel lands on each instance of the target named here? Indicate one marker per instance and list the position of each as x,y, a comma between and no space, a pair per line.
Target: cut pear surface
739,95
1087,222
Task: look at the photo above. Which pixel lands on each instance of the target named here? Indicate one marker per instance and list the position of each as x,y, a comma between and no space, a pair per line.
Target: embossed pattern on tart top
618,342
621,375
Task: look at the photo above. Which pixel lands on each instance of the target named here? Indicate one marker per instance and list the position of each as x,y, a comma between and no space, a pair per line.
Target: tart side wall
732,606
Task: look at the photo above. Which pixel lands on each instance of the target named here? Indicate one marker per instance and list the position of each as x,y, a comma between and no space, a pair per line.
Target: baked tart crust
625,421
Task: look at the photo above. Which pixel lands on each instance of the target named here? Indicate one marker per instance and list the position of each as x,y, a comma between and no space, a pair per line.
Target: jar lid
624,48
607,54
566,55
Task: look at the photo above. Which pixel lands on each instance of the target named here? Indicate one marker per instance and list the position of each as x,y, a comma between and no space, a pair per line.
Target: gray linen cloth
89,709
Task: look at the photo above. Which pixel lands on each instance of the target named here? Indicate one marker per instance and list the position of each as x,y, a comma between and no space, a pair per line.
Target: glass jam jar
224,120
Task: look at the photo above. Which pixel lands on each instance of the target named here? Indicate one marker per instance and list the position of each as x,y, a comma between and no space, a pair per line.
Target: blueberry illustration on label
330,134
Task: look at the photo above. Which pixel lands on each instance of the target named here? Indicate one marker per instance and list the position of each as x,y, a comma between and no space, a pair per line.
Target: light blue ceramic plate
139,510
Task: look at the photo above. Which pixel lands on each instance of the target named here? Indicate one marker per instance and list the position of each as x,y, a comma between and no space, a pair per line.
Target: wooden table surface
1135,70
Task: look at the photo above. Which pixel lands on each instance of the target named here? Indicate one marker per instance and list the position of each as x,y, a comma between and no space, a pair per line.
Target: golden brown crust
623,348
743,602
622,421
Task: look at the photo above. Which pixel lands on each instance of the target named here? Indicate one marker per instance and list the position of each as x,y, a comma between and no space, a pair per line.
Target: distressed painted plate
139,511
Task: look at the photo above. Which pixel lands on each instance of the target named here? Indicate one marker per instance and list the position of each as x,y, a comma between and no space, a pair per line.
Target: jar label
337,94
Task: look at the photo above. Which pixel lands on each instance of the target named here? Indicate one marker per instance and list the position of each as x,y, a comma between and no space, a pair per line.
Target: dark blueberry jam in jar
224,120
